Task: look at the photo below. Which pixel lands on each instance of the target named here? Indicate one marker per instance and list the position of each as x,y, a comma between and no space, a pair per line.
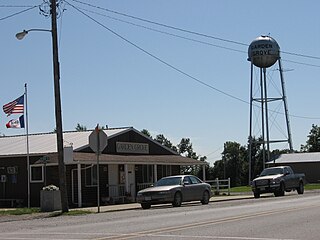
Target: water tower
263,53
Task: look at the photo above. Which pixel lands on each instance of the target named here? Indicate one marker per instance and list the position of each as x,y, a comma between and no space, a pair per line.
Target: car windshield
271,171
169,181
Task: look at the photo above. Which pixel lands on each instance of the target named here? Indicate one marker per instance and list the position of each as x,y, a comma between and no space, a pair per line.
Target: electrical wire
157,58
163,32
192,32
300,63
17,13
171,66
15,6
161,24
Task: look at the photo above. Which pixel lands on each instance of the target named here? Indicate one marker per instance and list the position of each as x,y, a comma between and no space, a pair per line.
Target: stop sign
98,140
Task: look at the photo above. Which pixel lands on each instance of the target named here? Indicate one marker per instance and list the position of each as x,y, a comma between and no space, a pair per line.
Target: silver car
175,190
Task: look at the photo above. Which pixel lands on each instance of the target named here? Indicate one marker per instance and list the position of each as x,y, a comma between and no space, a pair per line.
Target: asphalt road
291,217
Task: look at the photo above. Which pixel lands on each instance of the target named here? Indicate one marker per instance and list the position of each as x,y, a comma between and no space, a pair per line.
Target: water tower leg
285,106
267,117
250,125
262,120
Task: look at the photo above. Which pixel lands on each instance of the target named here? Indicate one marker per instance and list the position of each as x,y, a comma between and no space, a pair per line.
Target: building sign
12,170
129,147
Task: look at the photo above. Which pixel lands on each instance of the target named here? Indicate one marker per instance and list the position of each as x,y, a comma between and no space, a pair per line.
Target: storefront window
36,174
147,173
91,175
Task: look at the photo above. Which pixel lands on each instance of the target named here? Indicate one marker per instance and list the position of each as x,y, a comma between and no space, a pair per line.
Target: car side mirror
185,183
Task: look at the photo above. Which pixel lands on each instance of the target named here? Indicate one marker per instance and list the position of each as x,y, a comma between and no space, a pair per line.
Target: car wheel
256,194
300,189
177,200
145,205
281,191
205,198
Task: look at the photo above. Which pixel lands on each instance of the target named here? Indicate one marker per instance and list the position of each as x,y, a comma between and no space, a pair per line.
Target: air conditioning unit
68,155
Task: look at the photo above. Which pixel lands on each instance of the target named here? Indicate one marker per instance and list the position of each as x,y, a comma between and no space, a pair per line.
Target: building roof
298,157
91,158
47,143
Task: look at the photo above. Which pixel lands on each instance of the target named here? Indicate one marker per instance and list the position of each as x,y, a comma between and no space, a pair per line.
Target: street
268,218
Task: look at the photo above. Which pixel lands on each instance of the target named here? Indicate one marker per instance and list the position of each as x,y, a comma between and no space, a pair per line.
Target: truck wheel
256,194
281,190
177,200
145,205
300,189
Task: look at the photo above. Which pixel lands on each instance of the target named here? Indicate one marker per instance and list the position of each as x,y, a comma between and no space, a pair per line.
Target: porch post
204,173
79,185
155,173
126,177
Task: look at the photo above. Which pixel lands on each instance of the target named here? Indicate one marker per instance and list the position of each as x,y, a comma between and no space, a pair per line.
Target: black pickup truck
278,180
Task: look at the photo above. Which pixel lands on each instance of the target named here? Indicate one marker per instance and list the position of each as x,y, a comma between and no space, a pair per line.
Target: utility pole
56,77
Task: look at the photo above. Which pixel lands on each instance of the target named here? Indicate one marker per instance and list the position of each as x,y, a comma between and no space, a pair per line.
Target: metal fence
220,186
141,186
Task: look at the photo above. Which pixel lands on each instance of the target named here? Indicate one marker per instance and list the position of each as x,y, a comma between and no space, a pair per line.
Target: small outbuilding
131,161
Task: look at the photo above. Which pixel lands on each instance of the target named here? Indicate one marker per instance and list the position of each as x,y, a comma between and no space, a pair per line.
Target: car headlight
163,192
275,181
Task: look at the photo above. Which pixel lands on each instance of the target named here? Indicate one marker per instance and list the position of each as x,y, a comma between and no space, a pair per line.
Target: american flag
16,106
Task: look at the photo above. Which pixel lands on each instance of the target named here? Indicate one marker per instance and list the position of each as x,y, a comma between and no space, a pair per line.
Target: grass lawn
19,211
312,186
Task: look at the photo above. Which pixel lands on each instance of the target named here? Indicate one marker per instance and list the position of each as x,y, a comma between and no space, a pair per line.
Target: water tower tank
264,51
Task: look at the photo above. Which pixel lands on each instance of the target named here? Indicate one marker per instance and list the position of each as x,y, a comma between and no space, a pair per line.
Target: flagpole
27,134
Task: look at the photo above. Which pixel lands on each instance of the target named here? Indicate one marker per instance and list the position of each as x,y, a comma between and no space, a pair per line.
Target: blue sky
106,80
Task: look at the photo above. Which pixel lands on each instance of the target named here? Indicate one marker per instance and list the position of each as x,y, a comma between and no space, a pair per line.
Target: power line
164,32
15,6
193,32
301,63
17,13
195,40
161,24
157,58
301,55
173,67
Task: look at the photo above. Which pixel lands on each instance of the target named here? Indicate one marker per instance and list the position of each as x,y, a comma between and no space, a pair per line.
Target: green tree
160,138
218,170
256,156
146,132
199,169
81,128
234,158
313,142
185,149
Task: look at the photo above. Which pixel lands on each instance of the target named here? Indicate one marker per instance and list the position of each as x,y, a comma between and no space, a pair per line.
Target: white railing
143,185
118,192
220,185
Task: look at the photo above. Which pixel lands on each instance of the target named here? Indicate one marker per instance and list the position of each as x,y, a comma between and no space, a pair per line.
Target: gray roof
90,158
46,142
298,157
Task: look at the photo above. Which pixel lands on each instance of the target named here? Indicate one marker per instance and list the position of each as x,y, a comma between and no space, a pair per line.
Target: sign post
98,140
